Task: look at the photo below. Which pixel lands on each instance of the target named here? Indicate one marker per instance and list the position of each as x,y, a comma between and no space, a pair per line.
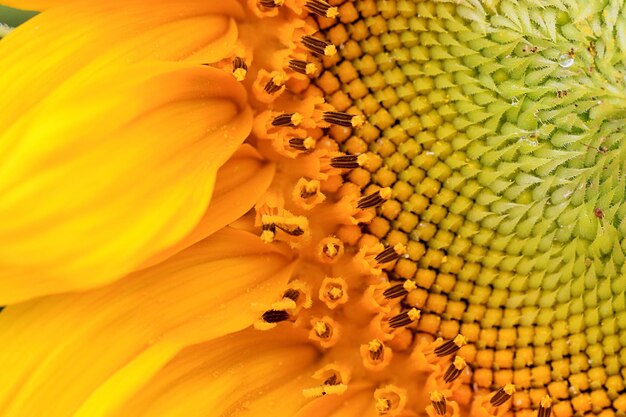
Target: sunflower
309,208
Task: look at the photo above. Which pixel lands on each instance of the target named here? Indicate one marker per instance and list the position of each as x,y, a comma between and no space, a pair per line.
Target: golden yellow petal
91,151
96,184
240,183
356,402
90,352
32,4
87,36
217,378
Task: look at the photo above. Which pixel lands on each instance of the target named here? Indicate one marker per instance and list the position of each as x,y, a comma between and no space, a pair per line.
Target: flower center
450,180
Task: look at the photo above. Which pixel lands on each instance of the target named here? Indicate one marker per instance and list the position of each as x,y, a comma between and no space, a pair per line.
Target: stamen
292,231
302,144
399,290
375,348
293,226
302,67
342,119
348,161
240,68
287,119
545,407
383,405
283,304
325,331
455,369
375,355
307,193
291,294
322,9
390,254
332,380
298,293
268,233
271,4
439,402
404,319
375,199
318,46
333,292
275,316
329,249
451,346
390,400
502,395
272,87
310,189
322,330
335,379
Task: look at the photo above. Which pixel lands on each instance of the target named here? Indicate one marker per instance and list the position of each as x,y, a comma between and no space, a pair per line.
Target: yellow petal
87,36
99,347
97,183
219,377
356,402
32,4
240,183
287,395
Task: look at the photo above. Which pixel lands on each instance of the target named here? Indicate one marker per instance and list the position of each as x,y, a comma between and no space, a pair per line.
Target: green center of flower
471,240
500,129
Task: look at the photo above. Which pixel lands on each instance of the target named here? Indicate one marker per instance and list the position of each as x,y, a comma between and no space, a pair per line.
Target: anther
322,9
291,225
395,292
390,254
342,119
291,294
271,4
240,69
275,316
322,330
325,331
399,290
502,395
451,346
545,407
404,319
375,355
318,46
375,199
382,405
306,193
454,370
333,292
302,144
271,87
439,402
332,380
287,119
375,348
268,232
330,249
348,161
390,400
292,230
302,67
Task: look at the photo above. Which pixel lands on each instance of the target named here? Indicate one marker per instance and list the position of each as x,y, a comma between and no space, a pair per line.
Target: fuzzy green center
501,128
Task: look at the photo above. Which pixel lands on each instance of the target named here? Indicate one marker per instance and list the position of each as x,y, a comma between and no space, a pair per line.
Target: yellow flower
301,208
